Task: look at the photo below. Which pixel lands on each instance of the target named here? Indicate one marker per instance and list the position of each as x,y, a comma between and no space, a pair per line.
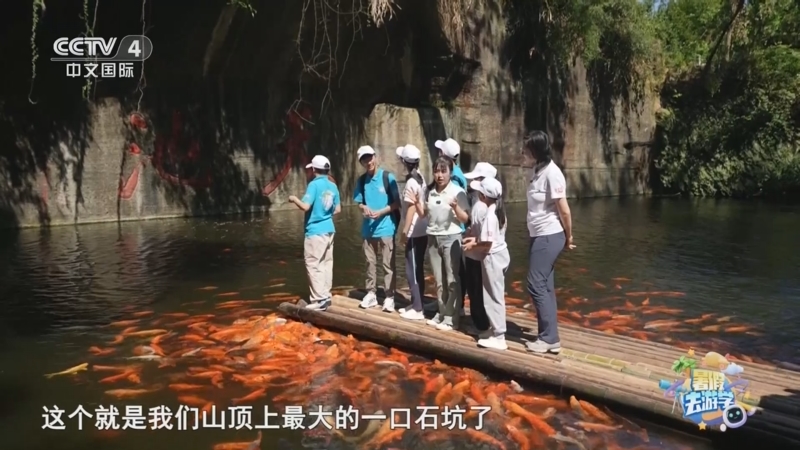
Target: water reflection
58,286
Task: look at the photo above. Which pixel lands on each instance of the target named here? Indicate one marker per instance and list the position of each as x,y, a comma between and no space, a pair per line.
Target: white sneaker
410,314
369,301
388,304
436,320
444,327
543,347
485,334
493,342
321,305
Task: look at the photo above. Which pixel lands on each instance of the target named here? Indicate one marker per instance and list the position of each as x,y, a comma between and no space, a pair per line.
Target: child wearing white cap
495,260
472,259
320,203
414,232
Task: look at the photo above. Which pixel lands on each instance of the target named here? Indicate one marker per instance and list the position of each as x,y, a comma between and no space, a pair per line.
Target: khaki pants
385,246
318,253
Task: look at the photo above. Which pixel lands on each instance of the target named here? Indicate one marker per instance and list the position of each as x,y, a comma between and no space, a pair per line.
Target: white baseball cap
482,169
489,187
409,153
365,150
319,162
449,147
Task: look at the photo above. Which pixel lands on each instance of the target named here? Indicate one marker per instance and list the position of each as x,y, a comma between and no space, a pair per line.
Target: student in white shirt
414,231
472,280
550,229
446,208
491,245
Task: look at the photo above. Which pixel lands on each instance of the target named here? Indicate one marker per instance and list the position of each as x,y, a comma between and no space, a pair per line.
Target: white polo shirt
546,187
442,220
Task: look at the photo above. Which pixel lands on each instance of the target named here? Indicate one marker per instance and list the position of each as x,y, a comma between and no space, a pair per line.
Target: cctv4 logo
92,46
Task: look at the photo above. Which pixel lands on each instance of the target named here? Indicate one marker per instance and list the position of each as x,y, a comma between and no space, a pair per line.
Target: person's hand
292,199
374,214
366,212
569,245
404,236
468,246
454,203
469,241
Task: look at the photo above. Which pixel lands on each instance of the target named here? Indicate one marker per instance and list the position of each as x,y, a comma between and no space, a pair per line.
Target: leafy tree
732,126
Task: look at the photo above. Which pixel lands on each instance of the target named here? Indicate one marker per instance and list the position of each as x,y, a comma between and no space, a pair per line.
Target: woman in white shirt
414,231
550,229
445,205
493,250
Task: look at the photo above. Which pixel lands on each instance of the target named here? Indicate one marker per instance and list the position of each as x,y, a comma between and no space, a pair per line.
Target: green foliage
731,129
615,39
683,363
687,28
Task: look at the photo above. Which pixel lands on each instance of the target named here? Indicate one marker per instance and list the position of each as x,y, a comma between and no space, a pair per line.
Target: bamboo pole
621,388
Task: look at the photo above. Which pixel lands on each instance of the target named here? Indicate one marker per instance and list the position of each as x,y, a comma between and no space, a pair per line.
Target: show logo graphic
713,395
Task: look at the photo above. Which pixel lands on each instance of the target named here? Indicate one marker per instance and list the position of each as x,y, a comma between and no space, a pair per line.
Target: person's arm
565,215
358,197
488,232
308,198
395,205
395,193
337,202
557,190
419,199
411,209
461,206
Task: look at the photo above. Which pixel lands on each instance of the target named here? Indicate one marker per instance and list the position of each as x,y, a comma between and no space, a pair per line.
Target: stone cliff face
230,108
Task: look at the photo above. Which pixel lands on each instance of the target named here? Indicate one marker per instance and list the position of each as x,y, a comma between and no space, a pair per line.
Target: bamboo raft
613,368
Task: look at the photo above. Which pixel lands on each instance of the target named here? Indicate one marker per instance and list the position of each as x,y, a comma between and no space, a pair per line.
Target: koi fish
70,371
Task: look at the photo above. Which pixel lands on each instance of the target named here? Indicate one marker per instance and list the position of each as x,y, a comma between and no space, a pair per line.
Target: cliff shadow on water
222,118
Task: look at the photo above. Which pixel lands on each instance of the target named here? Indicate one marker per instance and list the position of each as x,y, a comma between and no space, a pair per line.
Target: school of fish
244,354
638,314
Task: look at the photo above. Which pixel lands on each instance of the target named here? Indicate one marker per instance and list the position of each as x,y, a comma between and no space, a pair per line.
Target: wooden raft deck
621,369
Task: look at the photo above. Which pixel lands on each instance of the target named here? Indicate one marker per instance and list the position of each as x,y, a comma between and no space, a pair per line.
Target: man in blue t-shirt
320,203
450,149
378,199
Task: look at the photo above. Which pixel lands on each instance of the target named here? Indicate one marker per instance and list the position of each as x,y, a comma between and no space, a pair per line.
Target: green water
59,286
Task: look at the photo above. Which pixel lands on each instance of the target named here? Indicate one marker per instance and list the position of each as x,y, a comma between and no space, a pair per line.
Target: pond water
61,288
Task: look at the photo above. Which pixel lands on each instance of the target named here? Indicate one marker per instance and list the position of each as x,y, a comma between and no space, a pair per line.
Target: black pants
472,280
415,269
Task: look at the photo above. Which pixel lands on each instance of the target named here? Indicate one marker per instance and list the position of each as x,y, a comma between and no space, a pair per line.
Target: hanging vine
88,32
245,5
38,5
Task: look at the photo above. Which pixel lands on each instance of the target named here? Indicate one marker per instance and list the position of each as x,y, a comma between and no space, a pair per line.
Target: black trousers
472,281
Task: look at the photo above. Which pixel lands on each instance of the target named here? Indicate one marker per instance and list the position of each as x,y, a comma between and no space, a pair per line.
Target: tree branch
739,8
